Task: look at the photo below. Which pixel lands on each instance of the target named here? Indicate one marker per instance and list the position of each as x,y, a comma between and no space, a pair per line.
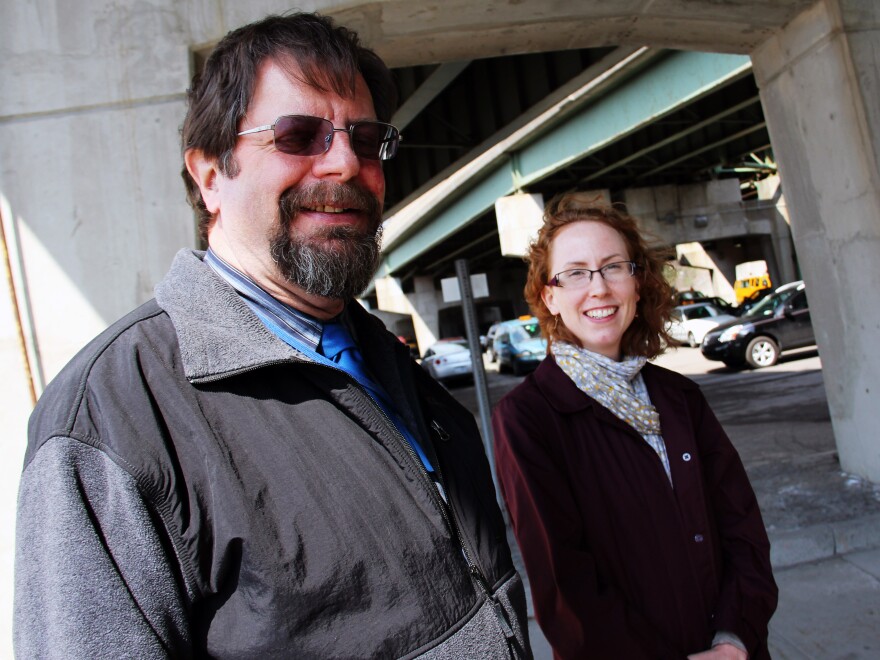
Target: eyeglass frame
554,281
328,142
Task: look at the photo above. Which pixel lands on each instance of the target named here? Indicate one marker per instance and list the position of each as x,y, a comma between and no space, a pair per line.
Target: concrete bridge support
820,87
423,304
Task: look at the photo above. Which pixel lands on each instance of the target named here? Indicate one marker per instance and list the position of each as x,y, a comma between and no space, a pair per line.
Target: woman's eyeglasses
301,135
575,278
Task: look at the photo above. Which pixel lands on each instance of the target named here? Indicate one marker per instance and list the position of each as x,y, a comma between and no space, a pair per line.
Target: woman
640,533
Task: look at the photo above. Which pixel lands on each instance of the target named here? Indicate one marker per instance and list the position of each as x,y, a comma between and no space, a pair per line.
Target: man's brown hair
326,56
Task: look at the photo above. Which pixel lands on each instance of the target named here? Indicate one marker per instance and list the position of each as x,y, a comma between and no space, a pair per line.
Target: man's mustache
349,196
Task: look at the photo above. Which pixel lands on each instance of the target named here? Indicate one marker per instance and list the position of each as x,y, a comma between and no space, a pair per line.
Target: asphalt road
714,377
778,420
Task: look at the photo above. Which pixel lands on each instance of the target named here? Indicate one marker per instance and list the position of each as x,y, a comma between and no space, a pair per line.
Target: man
222,473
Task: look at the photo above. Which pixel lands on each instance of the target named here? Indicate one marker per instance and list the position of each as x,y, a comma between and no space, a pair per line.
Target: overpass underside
678,137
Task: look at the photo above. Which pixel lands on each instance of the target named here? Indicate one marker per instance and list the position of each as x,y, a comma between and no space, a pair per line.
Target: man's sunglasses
300,135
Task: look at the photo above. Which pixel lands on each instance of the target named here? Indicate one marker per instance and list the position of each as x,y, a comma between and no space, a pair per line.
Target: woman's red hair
646,334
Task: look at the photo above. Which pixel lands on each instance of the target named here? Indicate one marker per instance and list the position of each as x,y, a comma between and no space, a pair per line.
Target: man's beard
336,261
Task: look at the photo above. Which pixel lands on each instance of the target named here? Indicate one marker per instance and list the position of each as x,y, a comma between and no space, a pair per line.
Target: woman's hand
721,652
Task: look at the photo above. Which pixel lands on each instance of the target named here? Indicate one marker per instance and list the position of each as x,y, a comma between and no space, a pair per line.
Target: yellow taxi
744,288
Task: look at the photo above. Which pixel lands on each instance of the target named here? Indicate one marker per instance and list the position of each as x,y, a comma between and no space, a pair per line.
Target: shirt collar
302,327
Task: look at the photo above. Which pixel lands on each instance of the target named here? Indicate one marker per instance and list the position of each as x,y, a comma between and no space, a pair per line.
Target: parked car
778,322
720,303
410,343
690,323
688,297
518,345
752,299
488,339
449,360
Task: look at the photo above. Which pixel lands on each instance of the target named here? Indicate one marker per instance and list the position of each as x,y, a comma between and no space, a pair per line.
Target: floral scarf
609,383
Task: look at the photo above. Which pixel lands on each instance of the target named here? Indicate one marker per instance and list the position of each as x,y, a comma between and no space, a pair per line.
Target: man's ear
204,172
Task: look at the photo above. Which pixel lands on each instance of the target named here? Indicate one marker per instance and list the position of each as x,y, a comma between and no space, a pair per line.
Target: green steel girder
672,83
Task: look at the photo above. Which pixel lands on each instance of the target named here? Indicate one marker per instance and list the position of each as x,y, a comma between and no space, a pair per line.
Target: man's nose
339,162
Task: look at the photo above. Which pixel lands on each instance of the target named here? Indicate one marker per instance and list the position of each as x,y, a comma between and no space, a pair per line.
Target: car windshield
697,312
448,347
767,306
526,331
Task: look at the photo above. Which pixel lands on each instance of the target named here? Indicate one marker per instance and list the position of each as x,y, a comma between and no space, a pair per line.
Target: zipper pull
497,607
441,433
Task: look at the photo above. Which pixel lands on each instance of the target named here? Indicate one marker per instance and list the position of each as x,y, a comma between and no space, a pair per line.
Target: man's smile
327,209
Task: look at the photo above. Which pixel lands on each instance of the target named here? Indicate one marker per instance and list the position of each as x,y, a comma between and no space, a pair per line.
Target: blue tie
338,346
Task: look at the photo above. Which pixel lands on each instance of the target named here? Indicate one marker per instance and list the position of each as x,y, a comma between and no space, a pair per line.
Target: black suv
778,322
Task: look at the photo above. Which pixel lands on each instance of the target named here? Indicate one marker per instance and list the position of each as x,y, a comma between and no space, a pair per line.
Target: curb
823,541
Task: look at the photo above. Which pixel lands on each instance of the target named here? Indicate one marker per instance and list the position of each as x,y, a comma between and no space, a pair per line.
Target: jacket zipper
477,575
408,449
213,378
478,578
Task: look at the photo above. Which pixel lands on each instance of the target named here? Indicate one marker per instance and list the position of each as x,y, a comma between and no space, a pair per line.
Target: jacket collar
220,336
218,333
559,389
664,387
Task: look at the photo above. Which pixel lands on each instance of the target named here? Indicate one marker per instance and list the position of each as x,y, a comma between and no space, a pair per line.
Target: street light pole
473,336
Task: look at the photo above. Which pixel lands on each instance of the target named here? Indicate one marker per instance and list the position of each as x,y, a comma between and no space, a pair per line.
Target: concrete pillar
820,88
770,189
422,304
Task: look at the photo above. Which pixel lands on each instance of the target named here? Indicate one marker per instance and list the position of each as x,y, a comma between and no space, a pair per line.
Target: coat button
686,457
698,538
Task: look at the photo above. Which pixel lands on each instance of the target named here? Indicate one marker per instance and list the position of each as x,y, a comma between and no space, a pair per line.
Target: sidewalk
824,525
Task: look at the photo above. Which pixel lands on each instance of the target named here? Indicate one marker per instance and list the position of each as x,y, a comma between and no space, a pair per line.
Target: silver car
690,323
448,360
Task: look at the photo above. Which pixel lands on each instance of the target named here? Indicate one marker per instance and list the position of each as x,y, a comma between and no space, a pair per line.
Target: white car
449,359
690,323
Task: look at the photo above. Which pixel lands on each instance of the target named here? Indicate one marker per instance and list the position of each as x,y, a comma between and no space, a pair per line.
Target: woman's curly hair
646,334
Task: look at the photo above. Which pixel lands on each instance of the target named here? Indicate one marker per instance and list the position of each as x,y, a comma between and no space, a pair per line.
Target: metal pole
16,310
473,337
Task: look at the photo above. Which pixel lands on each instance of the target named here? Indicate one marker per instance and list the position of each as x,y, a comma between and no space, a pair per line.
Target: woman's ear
548,296
204,172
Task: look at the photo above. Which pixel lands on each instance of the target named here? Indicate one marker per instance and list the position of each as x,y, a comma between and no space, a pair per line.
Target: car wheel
692,341
762,352
517,369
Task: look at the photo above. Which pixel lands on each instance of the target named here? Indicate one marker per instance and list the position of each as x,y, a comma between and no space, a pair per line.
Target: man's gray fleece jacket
194,487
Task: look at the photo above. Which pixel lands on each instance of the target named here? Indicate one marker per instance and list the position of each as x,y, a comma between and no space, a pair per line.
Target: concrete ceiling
412,32
469,72
547,122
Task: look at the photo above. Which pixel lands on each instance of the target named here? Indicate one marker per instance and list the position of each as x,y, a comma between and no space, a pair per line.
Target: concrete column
820,88
423,305
426,303
770,189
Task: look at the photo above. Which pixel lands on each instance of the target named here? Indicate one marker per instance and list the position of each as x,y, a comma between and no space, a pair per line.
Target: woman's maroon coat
621,564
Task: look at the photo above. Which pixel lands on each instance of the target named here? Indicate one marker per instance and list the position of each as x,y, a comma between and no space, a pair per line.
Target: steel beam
672,83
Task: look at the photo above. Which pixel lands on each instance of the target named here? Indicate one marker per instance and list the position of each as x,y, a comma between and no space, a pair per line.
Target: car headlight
525,354
739,330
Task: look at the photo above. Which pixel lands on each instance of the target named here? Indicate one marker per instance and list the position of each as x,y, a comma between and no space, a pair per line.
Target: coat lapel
568,399
666,389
